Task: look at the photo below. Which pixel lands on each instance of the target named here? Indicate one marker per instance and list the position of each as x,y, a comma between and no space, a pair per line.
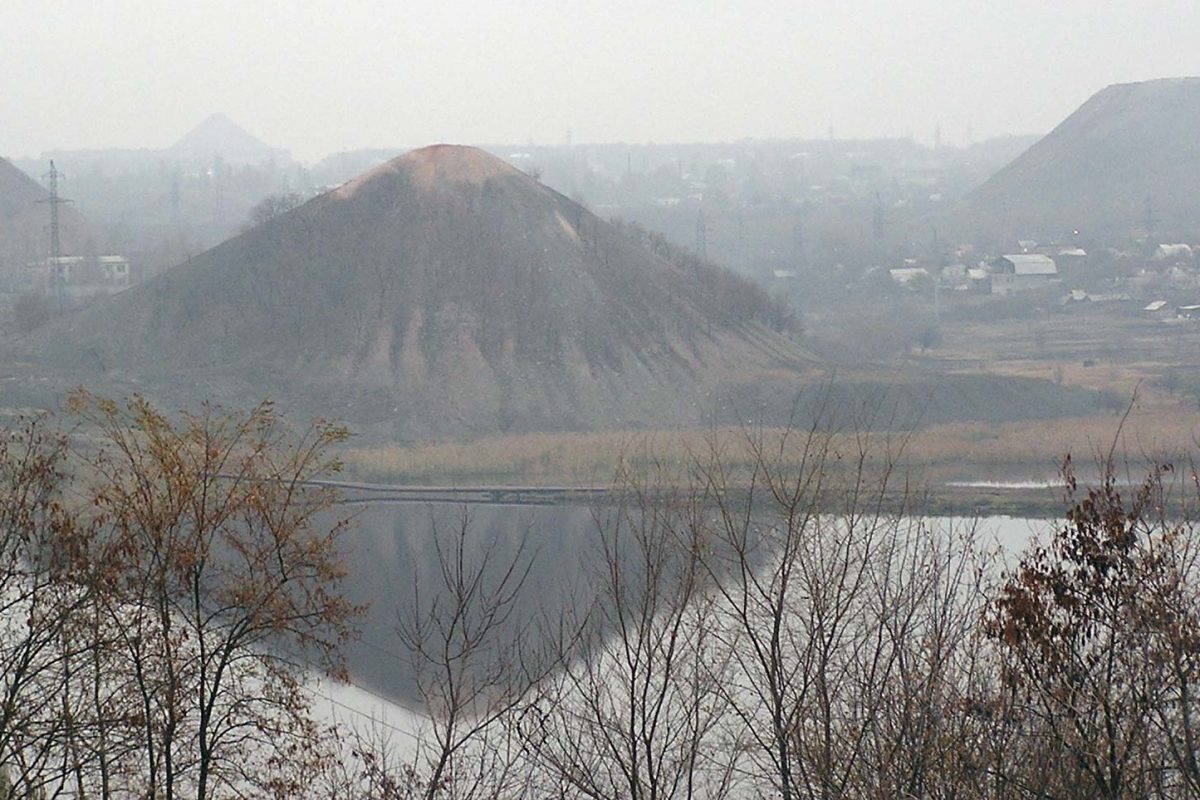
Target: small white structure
115,270
906,275
1070,260
954,271
80,275
979,280
1022,271
1173,253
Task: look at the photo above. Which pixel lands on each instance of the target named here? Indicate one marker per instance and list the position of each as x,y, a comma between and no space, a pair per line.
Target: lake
391,550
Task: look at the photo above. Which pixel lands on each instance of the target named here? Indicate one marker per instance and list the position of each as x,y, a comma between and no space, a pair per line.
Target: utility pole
1150,216
58,275
742,235
701,235
797,244
937,295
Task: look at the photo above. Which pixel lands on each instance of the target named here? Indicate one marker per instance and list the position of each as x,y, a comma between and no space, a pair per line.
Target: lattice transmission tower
57,269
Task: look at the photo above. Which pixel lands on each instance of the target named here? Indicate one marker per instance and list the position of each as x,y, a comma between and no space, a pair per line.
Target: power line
372,717
386,701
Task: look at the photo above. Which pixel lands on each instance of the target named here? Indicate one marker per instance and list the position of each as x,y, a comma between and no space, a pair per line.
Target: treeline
784,631
779,629
721,293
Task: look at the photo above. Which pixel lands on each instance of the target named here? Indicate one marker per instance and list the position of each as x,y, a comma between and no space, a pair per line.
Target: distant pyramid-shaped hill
443,293
1128,158
219,135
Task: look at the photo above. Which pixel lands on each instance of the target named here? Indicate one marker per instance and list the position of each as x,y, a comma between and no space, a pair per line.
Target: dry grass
1152,430
569,459
1124,354
1148,432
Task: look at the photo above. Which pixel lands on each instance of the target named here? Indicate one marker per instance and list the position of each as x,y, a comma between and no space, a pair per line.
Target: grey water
392,555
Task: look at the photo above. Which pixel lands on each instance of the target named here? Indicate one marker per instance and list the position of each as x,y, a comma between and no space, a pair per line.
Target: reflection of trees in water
564,548
394,544
822,639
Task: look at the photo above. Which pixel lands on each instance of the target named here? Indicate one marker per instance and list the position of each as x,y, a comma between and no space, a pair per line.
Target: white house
1173,253
80,275
903,276
1022,271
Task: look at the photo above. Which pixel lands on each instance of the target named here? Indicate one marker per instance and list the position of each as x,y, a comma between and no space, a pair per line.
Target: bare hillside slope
444,293
1130,149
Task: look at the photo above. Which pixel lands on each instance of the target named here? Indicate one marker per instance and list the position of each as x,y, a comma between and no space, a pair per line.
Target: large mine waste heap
1128,158
444,293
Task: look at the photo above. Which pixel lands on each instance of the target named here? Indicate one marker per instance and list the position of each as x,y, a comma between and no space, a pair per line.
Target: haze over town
320,77
670,401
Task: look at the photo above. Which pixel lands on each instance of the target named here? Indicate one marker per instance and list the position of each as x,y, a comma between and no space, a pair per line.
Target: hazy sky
317,77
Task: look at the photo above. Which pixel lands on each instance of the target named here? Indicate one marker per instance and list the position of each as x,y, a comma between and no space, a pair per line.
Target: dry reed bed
1165,432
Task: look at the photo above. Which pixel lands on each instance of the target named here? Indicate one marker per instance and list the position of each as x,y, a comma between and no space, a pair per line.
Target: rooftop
1031,264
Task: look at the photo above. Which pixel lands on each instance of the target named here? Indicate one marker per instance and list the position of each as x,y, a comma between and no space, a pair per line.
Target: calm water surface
392,550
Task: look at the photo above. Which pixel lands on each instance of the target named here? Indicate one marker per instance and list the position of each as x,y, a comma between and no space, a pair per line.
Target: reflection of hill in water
391,544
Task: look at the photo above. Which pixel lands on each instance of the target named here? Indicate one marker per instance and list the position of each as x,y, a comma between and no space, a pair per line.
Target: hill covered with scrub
444,293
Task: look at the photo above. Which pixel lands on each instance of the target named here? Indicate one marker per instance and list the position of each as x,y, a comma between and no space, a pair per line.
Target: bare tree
925,737
1172,607
784,621
847,618
271,207
476,656
790,588
636,713
222,585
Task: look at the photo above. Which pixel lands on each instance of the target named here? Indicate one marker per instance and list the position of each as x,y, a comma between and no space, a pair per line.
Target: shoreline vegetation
772,608
1010,468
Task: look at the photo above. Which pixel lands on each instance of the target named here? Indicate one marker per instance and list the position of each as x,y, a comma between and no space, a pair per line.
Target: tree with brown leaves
220,586
1090,626
39,591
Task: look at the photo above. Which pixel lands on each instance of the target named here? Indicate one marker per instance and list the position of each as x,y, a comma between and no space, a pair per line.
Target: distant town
814,221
